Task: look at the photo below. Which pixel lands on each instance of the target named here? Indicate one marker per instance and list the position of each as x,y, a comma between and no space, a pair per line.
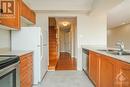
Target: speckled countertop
125,58
14,52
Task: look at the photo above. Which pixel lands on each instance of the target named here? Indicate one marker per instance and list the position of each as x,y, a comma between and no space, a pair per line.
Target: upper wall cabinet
27,14
14,13
10,16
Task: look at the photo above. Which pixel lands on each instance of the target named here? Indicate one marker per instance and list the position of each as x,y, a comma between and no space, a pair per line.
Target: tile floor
66,79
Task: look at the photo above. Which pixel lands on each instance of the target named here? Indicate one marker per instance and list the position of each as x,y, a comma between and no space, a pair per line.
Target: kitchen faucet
121,46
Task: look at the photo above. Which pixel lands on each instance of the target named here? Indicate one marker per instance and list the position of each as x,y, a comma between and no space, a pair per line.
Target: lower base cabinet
94,67
105,71
26,70
123,75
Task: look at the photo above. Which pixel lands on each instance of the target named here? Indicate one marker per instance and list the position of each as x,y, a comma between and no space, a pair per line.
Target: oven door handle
8,69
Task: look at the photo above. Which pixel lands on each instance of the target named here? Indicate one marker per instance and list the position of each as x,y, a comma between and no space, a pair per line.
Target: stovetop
6,60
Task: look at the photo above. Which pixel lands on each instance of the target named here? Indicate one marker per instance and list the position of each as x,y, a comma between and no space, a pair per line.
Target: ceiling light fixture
65,23
123,23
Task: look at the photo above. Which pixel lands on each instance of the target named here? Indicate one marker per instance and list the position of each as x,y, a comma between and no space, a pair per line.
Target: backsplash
4,38
120,33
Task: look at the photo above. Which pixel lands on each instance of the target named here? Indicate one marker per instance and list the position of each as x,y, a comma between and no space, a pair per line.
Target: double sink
115,52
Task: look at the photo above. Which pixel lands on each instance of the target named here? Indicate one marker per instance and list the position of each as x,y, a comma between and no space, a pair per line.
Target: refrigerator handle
41,45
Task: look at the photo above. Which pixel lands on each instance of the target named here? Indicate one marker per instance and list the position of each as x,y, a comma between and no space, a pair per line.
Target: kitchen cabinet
94,67
26,70
11,22
123,75
22,15
107,71
27,15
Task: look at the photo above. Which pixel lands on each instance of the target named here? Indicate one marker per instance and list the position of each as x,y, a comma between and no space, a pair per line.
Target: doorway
62,43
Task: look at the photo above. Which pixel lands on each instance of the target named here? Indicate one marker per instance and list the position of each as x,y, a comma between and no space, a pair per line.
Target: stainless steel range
9,71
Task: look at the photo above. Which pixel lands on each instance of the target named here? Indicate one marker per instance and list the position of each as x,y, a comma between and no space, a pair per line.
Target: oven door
9,76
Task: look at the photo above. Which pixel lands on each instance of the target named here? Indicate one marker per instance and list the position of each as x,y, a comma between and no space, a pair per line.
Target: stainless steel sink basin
108,50
115,52
120,53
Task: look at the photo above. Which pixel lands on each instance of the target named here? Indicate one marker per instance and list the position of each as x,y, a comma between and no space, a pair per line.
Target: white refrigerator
32,38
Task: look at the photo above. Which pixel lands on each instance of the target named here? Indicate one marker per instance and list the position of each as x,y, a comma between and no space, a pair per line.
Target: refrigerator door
45,38
28,38
41,45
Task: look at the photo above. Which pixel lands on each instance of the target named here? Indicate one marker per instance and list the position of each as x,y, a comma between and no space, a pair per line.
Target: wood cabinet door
26,70
107,72
94,67
123,75
30,67
28,14
11,20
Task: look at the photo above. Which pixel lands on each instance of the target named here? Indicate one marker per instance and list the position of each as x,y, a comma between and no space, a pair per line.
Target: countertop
14,52
124,58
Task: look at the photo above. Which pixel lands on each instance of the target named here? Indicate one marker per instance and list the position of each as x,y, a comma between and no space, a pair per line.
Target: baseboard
51,70
44,76
41,80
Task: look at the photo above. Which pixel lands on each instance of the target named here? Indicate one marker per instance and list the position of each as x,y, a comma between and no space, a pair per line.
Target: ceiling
66,23
82,6
116,16
69,20
119,15
60,4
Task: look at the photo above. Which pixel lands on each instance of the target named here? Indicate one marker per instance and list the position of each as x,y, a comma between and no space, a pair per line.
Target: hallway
66,79
62,43
65,62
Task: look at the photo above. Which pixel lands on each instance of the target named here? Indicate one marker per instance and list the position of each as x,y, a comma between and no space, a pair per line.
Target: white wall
73,36
120,33
4,38
90,30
